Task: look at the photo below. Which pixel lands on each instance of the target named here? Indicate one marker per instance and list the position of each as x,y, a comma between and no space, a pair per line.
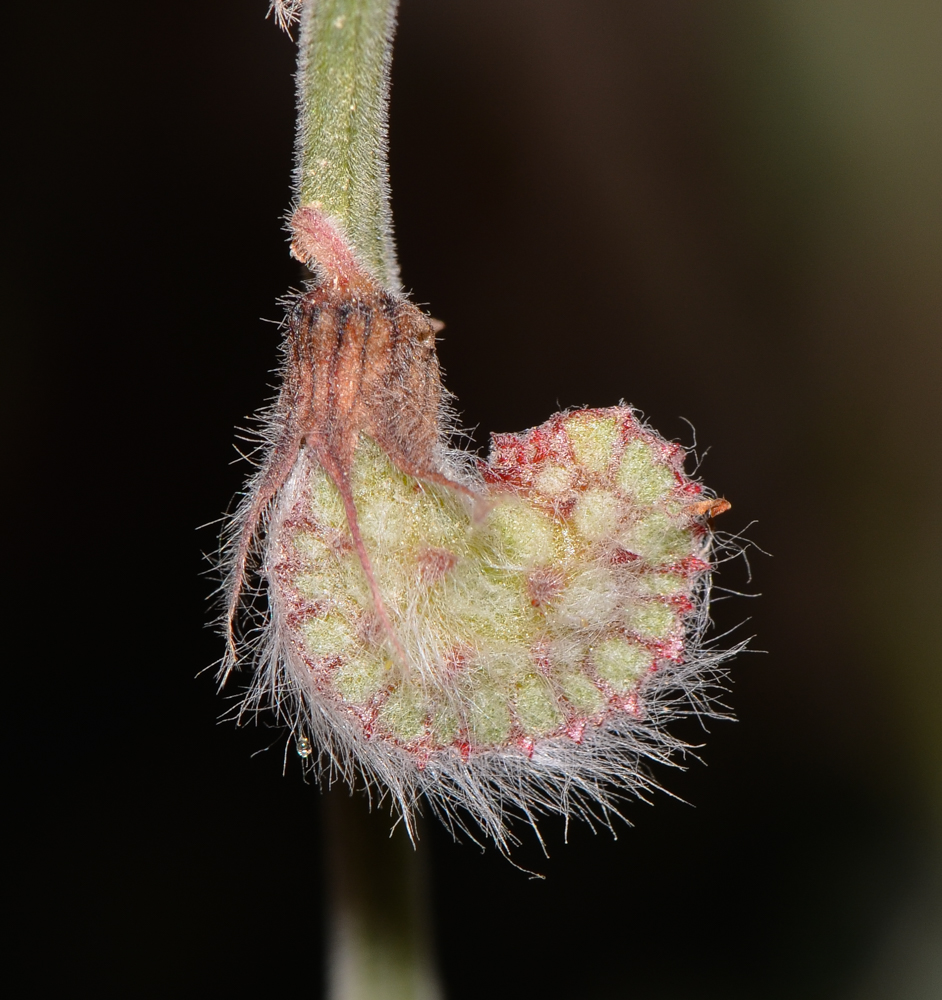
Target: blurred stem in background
378,931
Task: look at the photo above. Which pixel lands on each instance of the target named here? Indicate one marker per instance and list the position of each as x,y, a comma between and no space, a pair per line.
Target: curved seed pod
503,638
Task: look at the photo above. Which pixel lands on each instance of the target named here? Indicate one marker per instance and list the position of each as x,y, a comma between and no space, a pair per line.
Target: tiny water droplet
303,746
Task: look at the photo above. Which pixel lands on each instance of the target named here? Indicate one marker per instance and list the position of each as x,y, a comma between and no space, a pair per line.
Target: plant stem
345,49
379,939
379,945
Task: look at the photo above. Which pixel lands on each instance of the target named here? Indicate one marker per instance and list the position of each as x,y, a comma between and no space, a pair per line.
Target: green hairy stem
343,97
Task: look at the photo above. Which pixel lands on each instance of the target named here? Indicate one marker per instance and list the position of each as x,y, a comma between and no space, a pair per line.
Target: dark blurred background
728,212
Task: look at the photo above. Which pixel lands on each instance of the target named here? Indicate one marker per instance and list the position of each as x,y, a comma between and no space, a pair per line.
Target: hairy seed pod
503,637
